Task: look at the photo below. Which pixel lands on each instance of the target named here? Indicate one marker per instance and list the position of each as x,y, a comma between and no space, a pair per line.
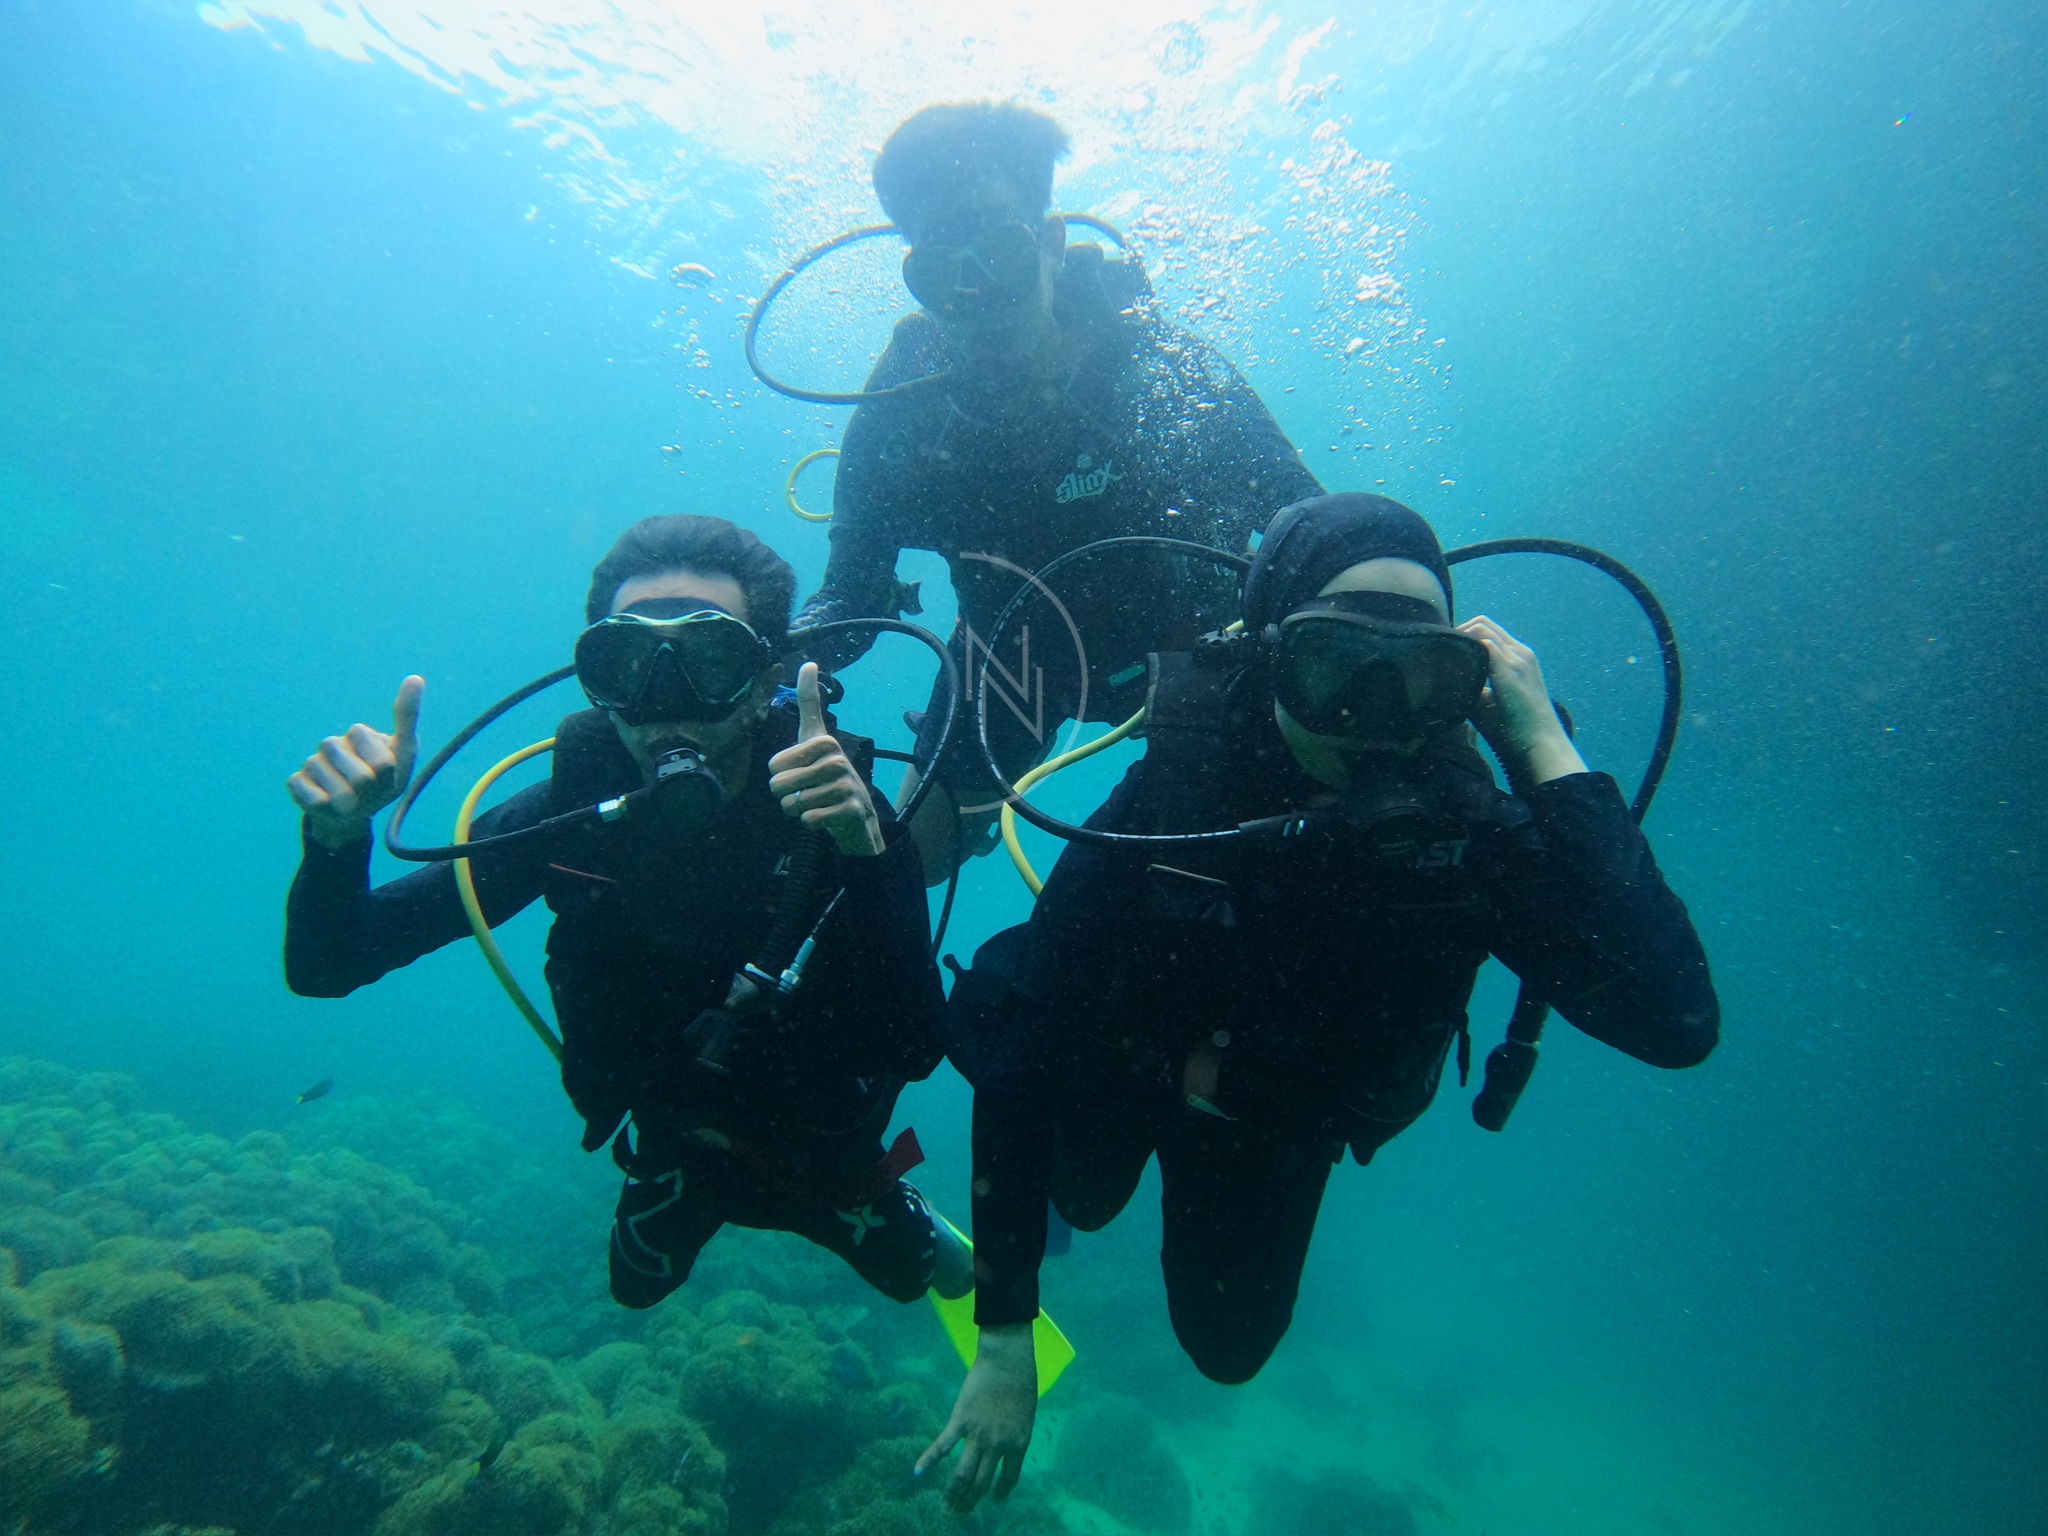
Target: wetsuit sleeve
1585,918
339,934
1010,1017
1246,469
871,518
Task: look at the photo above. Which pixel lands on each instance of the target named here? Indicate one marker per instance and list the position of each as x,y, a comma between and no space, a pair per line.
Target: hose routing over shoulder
612,810
1634,585
749,341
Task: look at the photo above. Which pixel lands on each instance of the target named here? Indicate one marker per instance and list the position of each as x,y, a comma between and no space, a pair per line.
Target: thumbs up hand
354,776
815,781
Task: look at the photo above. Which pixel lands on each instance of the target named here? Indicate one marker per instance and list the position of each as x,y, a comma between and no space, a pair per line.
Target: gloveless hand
1515,714
816,782
992,1416
354,776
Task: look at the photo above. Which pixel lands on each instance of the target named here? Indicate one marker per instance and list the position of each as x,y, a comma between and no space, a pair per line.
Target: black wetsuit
644,940
1148,431
1246,1009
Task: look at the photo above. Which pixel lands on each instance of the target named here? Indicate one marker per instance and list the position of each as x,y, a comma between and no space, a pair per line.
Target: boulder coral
282,1334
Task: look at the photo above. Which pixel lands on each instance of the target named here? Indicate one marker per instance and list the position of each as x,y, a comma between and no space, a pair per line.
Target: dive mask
1376,666
647,668
992,269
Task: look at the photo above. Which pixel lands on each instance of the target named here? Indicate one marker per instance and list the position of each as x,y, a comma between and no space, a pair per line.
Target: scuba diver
1034,403
1246,1006
758,812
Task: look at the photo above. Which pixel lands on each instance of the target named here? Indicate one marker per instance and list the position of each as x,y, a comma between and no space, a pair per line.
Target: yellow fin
1049,1347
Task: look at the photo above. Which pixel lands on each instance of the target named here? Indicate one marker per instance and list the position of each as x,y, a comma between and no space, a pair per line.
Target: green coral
205,1335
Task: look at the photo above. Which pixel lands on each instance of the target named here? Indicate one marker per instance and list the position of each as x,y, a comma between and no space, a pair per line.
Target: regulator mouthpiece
686,793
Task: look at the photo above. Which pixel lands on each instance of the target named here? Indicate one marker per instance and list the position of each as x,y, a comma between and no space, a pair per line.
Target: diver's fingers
341,795
1013,1468
1496,639
305,793
939,1449
814,761
810,712
818,797
405,721
814,784
962,1493
373,748
337,752
817,750
986,1466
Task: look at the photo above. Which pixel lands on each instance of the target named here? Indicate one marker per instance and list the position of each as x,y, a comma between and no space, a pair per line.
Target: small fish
690,275
490,1456
319,1090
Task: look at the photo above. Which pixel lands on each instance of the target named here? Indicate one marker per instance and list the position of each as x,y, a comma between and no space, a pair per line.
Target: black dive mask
648,668
994,269
1375,666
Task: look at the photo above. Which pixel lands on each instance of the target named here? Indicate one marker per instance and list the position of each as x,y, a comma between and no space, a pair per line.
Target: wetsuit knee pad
1226,1343
891,1241
654,1240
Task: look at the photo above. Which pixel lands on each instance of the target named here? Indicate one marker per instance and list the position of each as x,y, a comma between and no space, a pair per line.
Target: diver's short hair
945,150
709,545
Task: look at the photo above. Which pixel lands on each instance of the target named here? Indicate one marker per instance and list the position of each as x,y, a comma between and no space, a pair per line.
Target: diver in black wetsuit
1246,1009
771,1119
1061,410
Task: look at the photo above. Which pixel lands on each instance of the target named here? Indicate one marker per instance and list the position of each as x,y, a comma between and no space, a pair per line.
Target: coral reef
1111,1455
1332,1503
258,1336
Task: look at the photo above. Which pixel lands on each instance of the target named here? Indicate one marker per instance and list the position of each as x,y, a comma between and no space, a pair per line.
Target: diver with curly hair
769,1117
1049,405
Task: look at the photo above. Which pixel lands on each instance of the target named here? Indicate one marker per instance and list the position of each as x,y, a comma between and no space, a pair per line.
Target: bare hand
1515,714
353,777
816,782
993,1415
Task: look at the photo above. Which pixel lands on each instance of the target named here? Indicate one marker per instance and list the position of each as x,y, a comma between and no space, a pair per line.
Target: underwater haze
338,341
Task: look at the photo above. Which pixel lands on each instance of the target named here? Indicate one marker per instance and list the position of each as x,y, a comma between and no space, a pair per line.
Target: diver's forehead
1407,578
969,208
712,587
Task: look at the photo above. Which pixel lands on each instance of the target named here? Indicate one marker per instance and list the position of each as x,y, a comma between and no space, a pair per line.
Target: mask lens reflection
694,668
1339,677
998,265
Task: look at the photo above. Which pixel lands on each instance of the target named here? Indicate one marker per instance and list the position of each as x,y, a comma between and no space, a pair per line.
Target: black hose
1509,1064
440,759
946,907
817,253
1660,622
462,738
1660,753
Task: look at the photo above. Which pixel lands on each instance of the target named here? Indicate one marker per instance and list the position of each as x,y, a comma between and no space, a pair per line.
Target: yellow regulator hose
1045,771
789,485
467,886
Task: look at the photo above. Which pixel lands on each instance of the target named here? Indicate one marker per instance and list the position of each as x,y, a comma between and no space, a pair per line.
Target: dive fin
1049,1347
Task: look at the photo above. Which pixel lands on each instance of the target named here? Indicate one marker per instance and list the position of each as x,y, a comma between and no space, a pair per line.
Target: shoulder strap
1190,690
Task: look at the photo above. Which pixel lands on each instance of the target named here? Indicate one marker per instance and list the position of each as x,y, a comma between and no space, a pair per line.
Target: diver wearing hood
770,1117
1247,1008
1061,409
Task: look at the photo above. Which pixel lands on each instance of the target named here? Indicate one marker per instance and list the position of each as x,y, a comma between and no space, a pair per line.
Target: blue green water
336,343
